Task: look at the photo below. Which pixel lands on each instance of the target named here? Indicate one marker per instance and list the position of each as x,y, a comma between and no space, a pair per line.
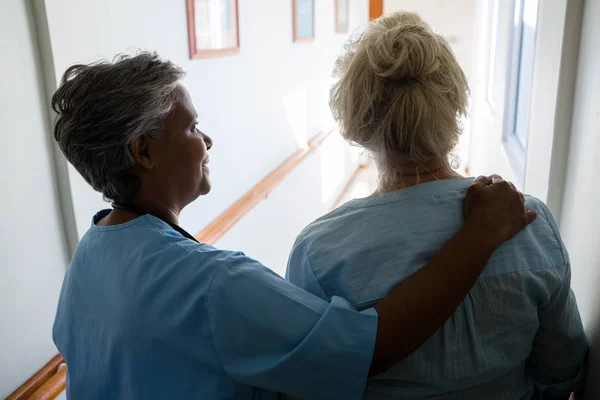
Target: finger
482,181
502,185
496,179
530,216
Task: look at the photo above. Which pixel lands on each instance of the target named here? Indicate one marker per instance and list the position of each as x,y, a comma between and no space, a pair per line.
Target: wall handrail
220,225
37,381
50,380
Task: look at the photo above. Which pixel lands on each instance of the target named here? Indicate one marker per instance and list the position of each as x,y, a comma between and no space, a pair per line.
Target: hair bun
408,50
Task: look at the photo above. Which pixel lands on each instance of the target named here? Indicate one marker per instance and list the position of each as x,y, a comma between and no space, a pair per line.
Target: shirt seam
167,241
155,225
210,329
558,242
391,201
112,228
310,268
162,234
349,205
562,254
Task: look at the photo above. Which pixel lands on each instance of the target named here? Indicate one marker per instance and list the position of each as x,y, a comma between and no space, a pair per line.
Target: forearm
416,308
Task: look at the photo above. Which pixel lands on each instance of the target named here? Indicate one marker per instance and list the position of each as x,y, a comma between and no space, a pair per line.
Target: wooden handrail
53,386
33,384
220,225
338,201
51,380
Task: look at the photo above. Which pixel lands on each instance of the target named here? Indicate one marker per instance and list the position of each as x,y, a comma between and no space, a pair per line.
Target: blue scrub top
145,313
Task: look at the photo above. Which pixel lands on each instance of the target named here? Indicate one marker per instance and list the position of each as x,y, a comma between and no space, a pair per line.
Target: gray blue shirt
518,330
145,313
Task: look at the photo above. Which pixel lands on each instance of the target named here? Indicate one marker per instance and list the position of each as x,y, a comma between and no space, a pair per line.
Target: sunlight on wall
295,107
360,190
333,166
460,156
356,153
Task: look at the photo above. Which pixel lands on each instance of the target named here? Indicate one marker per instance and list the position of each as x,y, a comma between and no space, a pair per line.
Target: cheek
194,152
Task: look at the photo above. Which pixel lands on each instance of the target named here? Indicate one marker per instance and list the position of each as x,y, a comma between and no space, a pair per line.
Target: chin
204,188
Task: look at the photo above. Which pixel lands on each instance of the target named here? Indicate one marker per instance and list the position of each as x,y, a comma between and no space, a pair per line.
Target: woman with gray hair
147,312
399,94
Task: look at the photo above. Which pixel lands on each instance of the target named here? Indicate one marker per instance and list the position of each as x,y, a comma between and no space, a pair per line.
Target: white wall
32,252
455,20
241,99
268,232
580,220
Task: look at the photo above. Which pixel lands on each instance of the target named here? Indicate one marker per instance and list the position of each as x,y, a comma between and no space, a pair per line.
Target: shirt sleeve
300,273
557,360
271,334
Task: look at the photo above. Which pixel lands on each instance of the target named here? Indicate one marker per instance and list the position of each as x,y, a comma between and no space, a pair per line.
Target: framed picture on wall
303,13
341,15
213,28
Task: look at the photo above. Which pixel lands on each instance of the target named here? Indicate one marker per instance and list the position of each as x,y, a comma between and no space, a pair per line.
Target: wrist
481,237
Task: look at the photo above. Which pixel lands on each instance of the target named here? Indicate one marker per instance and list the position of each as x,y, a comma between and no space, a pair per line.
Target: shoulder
325,229
537,252
546,226
328,227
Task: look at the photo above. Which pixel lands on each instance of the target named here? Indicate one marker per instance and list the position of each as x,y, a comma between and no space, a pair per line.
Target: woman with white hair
400,94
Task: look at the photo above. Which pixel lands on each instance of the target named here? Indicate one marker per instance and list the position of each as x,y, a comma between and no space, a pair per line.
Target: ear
140,152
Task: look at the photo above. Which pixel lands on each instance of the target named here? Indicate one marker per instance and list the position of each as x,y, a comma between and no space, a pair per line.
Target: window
492,59
519,83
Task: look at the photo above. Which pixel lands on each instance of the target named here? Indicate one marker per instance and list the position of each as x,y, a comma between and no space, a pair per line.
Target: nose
208,141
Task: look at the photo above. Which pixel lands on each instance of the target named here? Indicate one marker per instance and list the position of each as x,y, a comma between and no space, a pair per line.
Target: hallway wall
259,106
580,220
32,252
455,20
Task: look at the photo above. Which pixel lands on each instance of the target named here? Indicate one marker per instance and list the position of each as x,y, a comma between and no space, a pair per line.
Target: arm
557,360
559,350
280,337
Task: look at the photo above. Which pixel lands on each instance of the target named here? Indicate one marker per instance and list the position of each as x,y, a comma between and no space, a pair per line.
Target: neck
402,175
165,212
143,205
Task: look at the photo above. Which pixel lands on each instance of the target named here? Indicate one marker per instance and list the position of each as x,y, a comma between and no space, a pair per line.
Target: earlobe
138,148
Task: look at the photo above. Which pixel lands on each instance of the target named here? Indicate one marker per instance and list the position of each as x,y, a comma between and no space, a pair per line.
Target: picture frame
303,16
209,36
342,15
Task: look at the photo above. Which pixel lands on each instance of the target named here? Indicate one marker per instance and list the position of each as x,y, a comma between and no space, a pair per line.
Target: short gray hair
102,107
400,91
